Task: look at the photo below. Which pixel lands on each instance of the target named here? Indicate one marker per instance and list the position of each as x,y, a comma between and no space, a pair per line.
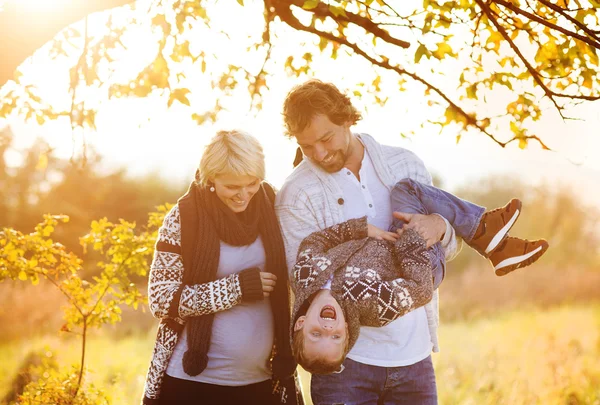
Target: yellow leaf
179,95
47,231
22,275
42,162
587,81
514,128
442,50
522,143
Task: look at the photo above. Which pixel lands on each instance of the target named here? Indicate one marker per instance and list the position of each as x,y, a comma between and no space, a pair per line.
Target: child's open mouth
328,313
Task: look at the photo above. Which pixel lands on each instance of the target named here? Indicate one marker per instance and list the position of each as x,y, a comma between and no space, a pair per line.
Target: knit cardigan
374,281
172,305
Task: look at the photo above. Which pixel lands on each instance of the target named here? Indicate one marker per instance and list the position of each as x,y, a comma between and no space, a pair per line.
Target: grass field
541,357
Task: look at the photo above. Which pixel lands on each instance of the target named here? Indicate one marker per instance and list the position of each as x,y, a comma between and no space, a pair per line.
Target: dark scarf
213,222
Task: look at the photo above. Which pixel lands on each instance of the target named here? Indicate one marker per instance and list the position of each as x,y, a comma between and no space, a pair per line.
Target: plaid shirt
311,200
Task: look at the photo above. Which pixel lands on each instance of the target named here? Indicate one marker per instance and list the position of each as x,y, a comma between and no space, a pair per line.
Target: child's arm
321,250
393,299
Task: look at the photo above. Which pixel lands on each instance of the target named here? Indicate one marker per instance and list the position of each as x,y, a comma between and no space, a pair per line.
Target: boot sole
502,232
512,263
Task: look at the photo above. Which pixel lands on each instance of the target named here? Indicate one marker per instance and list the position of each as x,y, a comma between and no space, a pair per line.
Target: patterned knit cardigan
374,281
172,304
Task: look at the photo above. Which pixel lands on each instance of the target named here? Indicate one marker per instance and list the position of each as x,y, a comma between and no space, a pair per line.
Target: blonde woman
218,283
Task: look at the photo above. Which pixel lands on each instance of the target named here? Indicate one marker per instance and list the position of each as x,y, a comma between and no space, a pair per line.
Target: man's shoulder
301,183
391,154
398,161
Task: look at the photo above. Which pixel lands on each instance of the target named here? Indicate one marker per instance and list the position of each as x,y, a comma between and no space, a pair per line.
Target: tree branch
536,77
69,298
548,24
562,12
323,10
286,16
534,73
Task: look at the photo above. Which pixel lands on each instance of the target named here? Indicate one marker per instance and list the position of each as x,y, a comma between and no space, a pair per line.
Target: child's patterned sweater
374,281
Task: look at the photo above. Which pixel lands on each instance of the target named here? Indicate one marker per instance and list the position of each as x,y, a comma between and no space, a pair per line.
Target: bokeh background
532,337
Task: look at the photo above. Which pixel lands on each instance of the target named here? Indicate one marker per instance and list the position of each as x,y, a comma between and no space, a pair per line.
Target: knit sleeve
168,297
322,249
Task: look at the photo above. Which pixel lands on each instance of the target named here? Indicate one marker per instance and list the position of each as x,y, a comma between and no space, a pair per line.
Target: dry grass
478,292
29,311
544,357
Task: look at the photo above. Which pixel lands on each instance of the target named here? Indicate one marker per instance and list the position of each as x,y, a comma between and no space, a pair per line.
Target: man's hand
380,234
431,227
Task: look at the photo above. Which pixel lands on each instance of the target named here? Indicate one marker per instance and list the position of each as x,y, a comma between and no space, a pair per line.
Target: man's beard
337,163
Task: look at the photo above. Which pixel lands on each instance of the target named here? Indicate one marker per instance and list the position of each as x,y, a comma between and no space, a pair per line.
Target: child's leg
483,231
406,197
413,197
486,232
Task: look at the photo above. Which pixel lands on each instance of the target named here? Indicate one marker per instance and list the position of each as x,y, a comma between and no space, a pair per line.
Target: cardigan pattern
166,276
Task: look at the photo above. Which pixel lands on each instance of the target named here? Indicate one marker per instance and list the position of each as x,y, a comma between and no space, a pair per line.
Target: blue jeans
362,384
413,197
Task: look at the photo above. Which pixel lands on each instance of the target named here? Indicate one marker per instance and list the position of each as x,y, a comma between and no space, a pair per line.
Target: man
342,176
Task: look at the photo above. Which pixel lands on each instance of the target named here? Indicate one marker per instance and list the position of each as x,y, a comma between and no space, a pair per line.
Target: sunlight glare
37,5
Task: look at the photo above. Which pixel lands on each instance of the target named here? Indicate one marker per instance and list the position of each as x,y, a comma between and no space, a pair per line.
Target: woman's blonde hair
232,152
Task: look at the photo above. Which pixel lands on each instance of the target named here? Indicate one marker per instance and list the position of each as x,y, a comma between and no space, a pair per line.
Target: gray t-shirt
242,337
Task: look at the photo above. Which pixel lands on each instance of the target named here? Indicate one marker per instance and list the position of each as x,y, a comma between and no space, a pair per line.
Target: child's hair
317,365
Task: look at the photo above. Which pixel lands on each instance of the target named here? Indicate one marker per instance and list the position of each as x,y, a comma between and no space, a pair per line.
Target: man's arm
405,163
297,220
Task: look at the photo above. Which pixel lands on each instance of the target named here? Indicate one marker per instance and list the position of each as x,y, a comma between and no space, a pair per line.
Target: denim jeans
413,197
362,384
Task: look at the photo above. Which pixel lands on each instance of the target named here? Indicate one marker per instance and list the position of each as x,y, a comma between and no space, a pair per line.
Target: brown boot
494,227
515,253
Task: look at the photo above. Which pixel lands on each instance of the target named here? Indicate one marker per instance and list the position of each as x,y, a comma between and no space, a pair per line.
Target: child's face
323,327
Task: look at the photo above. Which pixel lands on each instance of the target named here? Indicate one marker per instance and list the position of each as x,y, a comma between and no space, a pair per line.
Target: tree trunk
23,31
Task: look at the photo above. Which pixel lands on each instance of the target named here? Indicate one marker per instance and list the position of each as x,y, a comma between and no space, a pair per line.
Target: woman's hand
380,234
268,282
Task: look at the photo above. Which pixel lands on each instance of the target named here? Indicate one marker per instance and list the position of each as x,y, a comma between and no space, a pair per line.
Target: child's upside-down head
320,338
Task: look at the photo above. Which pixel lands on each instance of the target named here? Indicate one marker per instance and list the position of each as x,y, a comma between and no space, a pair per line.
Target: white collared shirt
406,340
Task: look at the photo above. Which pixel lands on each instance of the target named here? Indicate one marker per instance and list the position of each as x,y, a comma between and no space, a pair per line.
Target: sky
145,137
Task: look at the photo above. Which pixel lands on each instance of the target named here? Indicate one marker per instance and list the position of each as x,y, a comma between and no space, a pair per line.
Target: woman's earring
212,189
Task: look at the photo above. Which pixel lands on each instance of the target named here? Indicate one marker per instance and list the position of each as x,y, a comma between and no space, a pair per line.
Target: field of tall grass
536,356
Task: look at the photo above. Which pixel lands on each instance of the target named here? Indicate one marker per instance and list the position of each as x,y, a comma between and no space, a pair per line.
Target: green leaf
421,50
337,11
472,91
310,4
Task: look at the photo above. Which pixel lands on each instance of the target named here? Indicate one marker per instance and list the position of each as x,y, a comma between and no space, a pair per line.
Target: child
338,290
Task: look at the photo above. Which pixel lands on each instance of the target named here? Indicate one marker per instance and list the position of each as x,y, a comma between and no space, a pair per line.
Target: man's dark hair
315,97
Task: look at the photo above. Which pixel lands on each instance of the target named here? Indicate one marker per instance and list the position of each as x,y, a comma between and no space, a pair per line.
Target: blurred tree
43,183
125,251
536,53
